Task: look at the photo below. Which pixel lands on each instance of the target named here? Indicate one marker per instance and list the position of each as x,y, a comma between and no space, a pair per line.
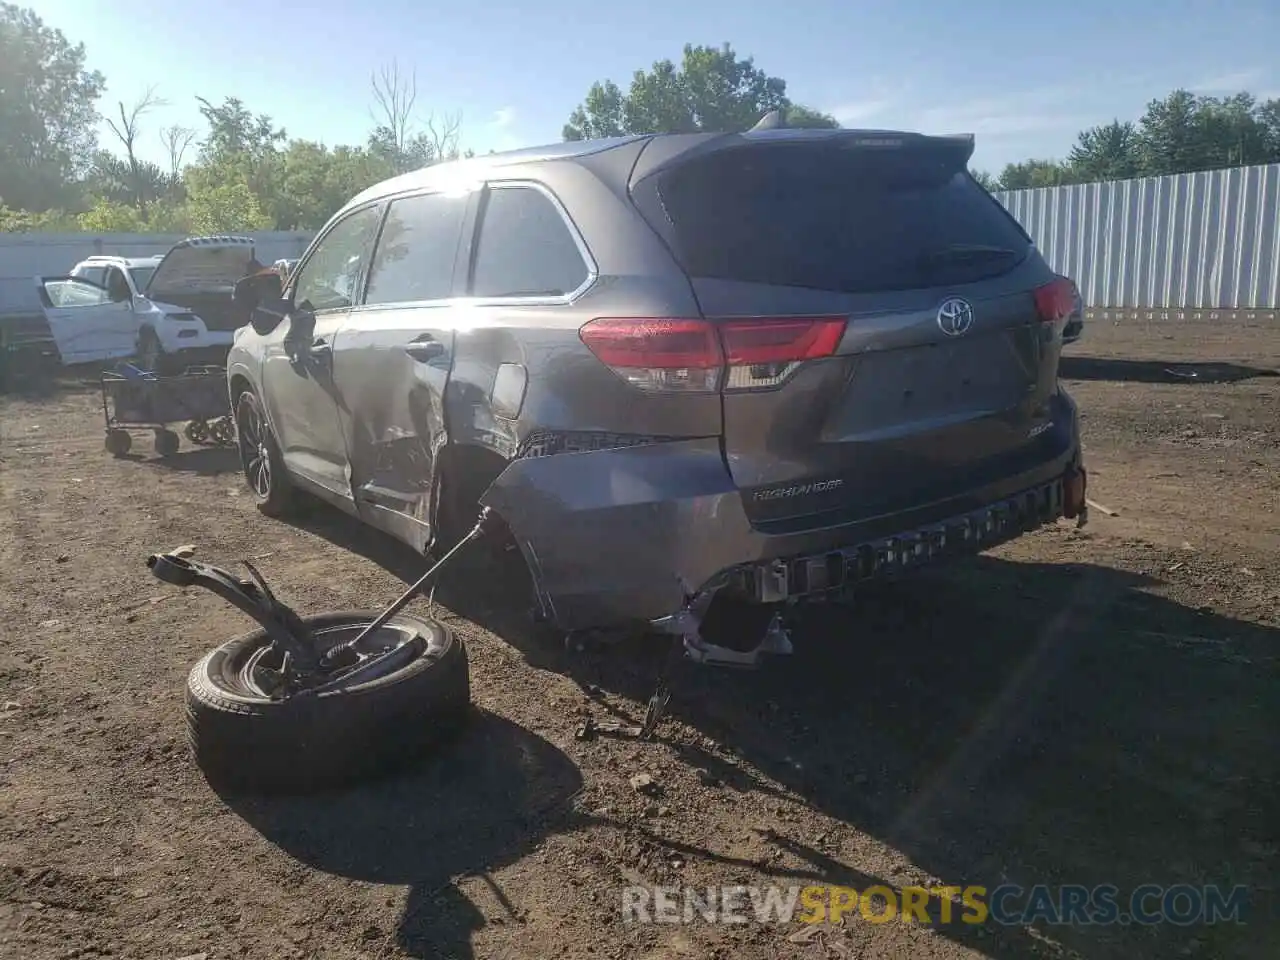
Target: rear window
836,219
141,276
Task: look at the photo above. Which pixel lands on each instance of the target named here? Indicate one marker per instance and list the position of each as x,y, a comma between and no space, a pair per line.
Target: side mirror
259,297
257,289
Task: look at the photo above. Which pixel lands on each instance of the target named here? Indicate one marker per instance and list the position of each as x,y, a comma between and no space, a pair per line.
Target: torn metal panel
612,535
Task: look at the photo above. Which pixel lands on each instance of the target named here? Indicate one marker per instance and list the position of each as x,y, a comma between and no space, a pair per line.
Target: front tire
244,740
260,459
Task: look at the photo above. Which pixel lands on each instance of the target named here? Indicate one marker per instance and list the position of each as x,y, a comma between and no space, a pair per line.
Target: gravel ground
1081,706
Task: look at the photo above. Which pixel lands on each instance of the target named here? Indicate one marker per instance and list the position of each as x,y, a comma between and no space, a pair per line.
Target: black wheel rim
394,647
254,455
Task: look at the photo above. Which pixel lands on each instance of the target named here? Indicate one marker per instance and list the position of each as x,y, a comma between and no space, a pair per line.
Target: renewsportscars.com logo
1007,905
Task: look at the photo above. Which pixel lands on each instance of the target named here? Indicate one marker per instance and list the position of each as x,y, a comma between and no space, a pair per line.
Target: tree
1107,152
985,180
1034,173
47,111
108,216
137,184
176,140
234,132
711,90
220,201
394,138
394,97
126,132
1269,119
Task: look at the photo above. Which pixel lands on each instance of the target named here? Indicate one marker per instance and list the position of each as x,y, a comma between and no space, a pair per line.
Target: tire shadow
485,801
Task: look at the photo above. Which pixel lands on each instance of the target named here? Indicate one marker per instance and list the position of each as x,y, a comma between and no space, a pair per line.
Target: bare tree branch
444,135
127,133
394,96
176,140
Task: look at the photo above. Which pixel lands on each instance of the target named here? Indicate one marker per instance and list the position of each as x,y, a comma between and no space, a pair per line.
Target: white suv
167,311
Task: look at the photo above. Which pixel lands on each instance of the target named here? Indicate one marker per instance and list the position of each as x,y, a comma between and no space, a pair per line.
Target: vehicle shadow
486,801
994,722
1156,371
201,461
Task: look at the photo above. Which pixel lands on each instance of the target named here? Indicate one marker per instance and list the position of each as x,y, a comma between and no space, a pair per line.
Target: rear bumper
633,533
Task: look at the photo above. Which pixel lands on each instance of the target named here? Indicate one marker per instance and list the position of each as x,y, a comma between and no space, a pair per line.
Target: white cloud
500,132
1031,111
859,111
1231,82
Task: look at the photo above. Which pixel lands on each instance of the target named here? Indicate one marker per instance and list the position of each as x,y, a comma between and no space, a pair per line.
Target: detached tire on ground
244,741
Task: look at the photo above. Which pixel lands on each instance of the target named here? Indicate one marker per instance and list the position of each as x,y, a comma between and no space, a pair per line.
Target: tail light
700,356
658,355
1056,300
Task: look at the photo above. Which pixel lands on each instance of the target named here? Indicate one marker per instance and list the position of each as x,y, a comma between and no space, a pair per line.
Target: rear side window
836,219
92,274
417,249
525,249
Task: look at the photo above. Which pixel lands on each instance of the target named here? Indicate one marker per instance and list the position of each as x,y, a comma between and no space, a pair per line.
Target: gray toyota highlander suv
759,367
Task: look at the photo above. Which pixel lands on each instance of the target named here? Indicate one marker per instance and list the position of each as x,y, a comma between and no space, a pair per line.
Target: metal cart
134,399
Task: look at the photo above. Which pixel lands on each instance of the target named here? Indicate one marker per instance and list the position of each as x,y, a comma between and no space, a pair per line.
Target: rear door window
839,220
417,249
117,286
92,274
525,248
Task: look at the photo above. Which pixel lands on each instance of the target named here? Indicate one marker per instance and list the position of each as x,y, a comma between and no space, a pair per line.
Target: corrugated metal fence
1197,241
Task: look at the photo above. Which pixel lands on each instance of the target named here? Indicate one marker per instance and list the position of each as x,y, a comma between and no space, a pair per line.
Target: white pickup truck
167,312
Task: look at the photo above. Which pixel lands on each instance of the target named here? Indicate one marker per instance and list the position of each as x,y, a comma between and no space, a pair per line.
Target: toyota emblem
955,317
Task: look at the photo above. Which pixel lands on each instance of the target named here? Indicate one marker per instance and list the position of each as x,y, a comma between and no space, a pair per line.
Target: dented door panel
391,373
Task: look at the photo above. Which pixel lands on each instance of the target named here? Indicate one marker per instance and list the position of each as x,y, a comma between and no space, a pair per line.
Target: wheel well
239,384
464,472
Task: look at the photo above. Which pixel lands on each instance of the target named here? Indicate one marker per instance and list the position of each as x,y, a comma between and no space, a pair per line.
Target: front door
86,324
393,361
298,370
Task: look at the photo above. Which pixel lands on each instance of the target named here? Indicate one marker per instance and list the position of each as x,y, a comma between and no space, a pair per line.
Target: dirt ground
1093,707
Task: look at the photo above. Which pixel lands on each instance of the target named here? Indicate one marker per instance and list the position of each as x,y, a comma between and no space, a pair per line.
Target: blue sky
1024,77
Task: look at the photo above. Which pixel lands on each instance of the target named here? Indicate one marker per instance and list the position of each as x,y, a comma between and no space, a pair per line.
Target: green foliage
712,89
249,175
1108,152
111,216
1181,133
984,178
47,112
1034,173
220,200
47,221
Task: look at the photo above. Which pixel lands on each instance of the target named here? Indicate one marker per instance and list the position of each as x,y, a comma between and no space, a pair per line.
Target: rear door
908,286
87,325
392,359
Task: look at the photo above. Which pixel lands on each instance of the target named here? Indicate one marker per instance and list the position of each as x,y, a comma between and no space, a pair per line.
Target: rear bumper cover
634,533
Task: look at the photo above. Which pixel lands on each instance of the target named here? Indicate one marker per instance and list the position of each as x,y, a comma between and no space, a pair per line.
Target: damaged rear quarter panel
612,535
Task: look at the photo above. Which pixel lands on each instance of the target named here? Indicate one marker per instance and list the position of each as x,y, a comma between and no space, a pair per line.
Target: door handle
424,349
320,350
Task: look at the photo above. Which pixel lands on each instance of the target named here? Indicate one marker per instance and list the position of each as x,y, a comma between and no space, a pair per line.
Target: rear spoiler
662,153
